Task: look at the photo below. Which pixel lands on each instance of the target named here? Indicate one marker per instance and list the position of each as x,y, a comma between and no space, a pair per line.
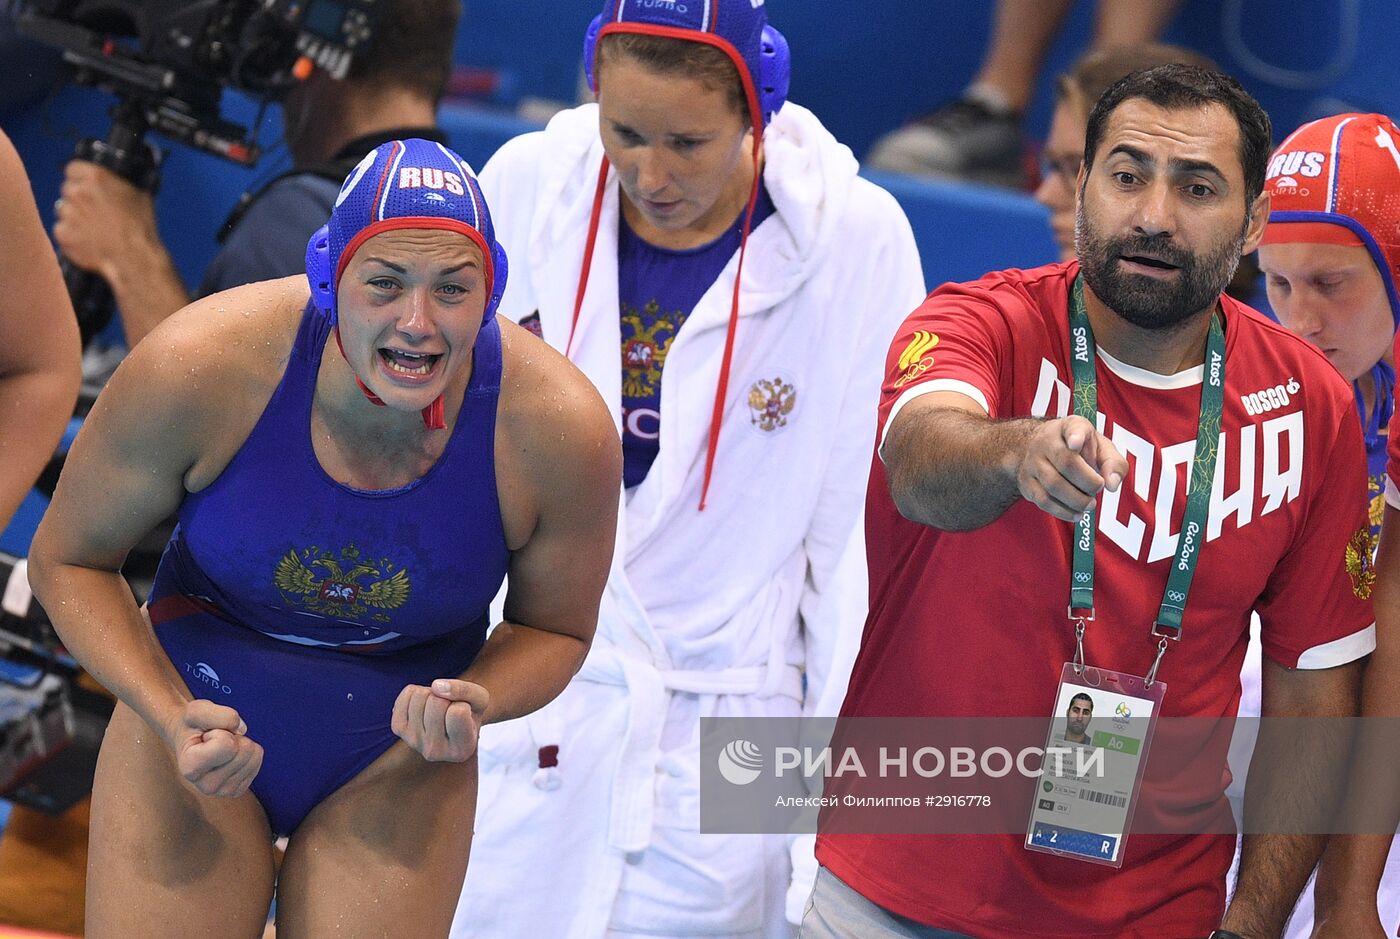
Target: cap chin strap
433,415
1383,382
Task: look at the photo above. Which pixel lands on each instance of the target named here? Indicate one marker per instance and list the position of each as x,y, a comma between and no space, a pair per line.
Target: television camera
168,63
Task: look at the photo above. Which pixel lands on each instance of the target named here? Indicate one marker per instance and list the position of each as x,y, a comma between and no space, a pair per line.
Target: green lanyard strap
1193,522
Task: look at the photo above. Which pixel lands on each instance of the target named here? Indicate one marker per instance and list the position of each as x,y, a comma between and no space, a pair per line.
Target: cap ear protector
774,66
320,276
500,270
318,270
774,71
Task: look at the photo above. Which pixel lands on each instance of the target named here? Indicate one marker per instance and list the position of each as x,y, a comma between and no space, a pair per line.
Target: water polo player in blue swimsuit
354,475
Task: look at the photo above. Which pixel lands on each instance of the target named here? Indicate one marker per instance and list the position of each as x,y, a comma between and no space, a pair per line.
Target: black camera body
214,38
175,57
168,63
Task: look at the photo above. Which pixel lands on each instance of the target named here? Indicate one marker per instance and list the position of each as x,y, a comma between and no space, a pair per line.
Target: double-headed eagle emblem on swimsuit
350,586
1360,563
644,347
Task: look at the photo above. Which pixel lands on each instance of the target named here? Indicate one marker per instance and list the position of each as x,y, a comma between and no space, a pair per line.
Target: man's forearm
1352,867
1273,871
1349,876
1296,781
146,287
1354,862
954,469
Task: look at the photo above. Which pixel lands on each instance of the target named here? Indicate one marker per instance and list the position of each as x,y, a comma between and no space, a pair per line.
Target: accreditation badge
1095,753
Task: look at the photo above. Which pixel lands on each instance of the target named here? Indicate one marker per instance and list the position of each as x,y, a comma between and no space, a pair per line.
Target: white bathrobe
718,613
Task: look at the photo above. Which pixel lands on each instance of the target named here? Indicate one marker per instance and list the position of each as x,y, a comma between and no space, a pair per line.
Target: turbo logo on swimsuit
203,673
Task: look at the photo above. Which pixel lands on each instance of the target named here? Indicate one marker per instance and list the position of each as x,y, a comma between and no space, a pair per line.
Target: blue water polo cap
411,183
739,28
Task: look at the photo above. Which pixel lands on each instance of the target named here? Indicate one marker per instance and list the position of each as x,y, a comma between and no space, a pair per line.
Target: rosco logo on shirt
1270,399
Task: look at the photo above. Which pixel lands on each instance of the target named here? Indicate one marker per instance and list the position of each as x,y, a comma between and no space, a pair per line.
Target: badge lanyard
1167,625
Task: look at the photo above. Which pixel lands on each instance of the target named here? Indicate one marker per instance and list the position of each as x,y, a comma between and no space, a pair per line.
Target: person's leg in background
977,136
1021,35
43,862
1127,24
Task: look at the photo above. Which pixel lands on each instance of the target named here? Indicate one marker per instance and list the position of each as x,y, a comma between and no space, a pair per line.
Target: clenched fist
213,751
441,722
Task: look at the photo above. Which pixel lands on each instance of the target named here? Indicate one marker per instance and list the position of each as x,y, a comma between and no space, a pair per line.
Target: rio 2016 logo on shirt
917,357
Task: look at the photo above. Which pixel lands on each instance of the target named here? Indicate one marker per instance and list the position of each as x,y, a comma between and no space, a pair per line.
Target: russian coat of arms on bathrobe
771,400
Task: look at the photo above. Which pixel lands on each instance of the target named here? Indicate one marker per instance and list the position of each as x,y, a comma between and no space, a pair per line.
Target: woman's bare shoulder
244,333
552,419
205,374
543,389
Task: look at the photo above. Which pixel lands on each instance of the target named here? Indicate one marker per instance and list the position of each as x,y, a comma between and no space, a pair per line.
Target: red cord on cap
588,252
722,388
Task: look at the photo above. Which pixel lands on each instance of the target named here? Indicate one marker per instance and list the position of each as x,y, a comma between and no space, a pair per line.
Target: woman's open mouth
409,366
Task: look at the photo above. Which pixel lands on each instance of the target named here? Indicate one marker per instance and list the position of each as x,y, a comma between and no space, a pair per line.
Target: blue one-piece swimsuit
308,605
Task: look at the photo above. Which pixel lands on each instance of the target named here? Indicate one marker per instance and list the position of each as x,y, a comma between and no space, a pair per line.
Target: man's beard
1144,301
